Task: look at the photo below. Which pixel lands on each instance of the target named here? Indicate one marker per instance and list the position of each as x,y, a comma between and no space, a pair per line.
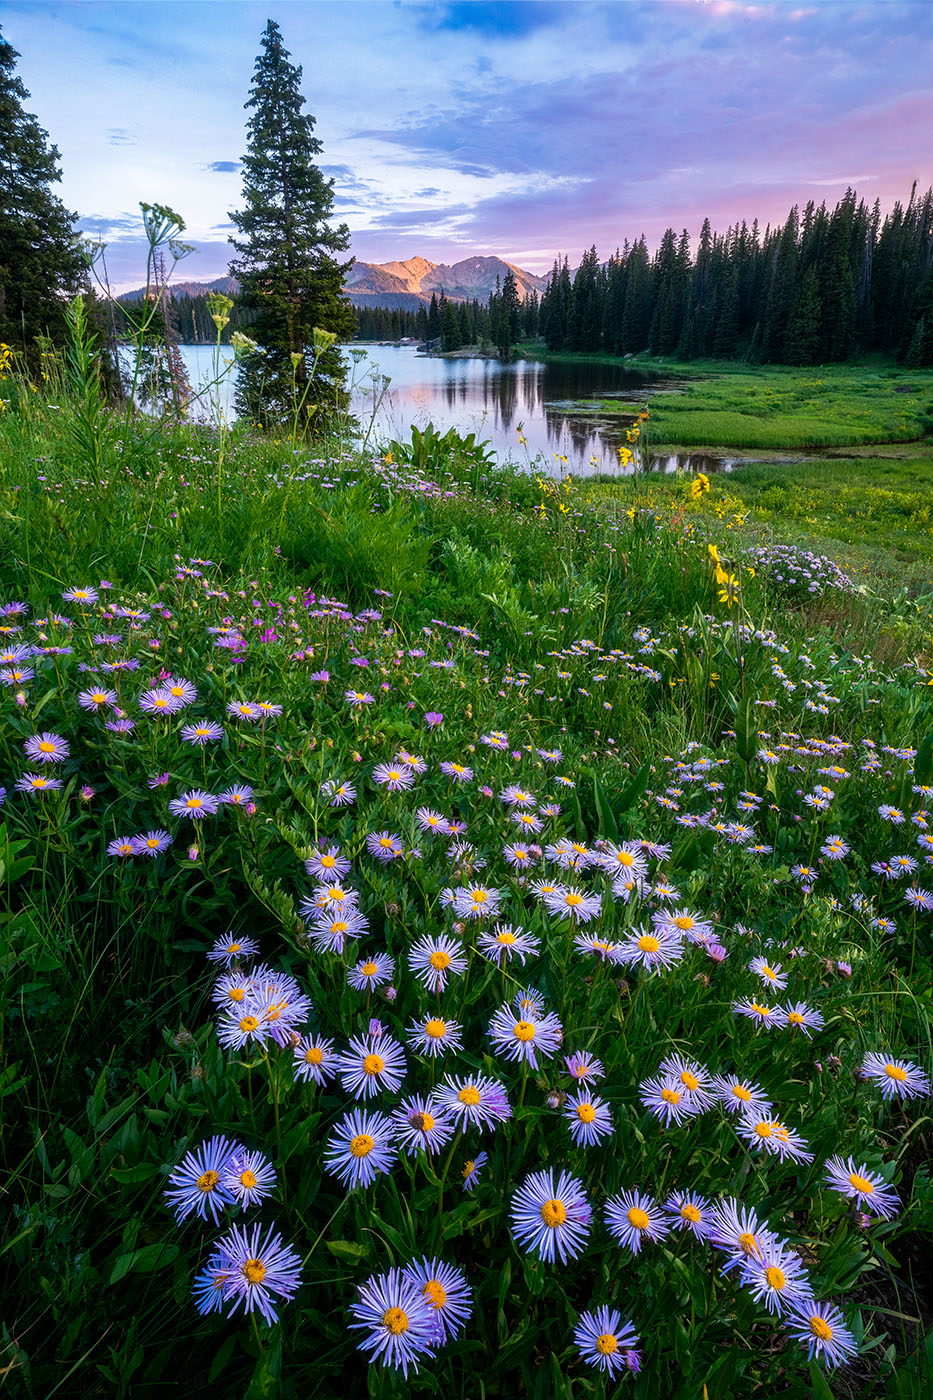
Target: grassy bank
463,802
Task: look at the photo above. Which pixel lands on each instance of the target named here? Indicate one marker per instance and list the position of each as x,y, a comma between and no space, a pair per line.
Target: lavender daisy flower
244,710
504,943
434,1036
834,848
394,777
778,1279
820,1327
550,1218
625,860
600,948
667,1100
919,899
261,1269
590,1119
209,1284
372,972
569,903
418,1123
314,1059
196,805
47,748
520,856
895,1078
399,1326
432,821
605,1341
741,1095
761,1014
205,732
370,1066
249,1177
334,898
693,1079
181,691
737,1229
633,1218
803,1018
229,950
330,932
37,782
384,845
97,698
683,924
472,1170
770,976
445,1289
121,846
477,902
866,1188
151,843
457,772
691,1212
653,951
80,595
474,1101
584,1067
338,794
239,795
524,1036
434,960
158,702
328,864
356,699
198,1184
771,1136
360,1148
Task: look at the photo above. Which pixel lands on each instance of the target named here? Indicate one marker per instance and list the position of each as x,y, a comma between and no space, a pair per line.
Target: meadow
462,933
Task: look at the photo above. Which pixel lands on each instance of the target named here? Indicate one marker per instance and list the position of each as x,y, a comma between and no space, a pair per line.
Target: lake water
500,403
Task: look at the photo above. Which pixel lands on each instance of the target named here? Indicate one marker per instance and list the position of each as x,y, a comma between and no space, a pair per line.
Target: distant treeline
824,287
189,319
454,323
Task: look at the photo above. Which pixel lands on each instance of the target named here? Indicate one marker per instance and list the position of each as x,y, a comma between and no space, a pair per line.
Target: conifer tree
41,263
285,253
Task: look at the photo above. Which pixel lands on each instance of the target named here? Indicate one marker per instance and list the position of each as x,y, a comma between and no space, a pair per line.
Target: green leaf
632,791
923,763
132,1176
604,814
347,1249
146,1260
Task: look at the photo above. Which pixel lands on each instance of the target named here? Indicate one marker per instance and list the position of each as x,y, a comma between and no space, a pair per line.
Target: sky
522,129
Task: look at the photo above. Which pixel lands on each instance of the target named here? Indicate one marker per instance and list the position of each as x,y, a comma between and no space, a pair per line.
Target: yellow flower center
895,1072
684,921
46,747
439,959
339,926
385,842
524,1030
207,1181
396,1321
193,803
435,1028
624,858
606,1344
638,1219
776,1278
553,1213
690,1080
690,1213
739,1091
861,1183
362,1145
374,1064
368,969
670,1095
768,971
795,1018
427,1122
648,943
749,1243
248,1179
820,1329
435,1293
249,1024
479,896
586,1112
314,1056
763,1129
505,937
468,1169
469,1095
328,862
760,1010
573,900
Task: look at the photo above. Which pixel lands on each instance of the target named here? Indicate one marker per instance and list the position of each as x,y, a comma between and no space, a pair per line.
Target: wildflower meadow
459,938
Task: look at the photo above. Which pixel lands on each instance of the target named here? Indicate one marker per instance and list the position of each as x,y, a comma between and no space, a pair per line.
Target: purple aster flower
250,1177
473,1169
569,903
504,943
551,1218
771,1136
357,698
360,1148
433,718
158,702
394,777
84,596
371,972
803,1018
151,843
457,772
204,732
866,1188
434,960
445,1289
196,805
244,710
122,846
37,782
328,864
820,1327
239,795
778,1279
385,846
229,950
46,748
97,698
260,1269
691,1212
314,1058
605,1341
198,1184
338,794
475,1101
741,1095
632,1218
584,1067
370,1066
897,1079
524,1036
655,950
589,1118
477,902
420,1125
434,1035
399,1326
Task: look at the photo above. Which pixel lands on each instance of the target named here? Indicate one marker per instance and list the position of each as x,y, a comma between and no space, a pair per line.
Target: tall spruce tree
285,264
41,263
